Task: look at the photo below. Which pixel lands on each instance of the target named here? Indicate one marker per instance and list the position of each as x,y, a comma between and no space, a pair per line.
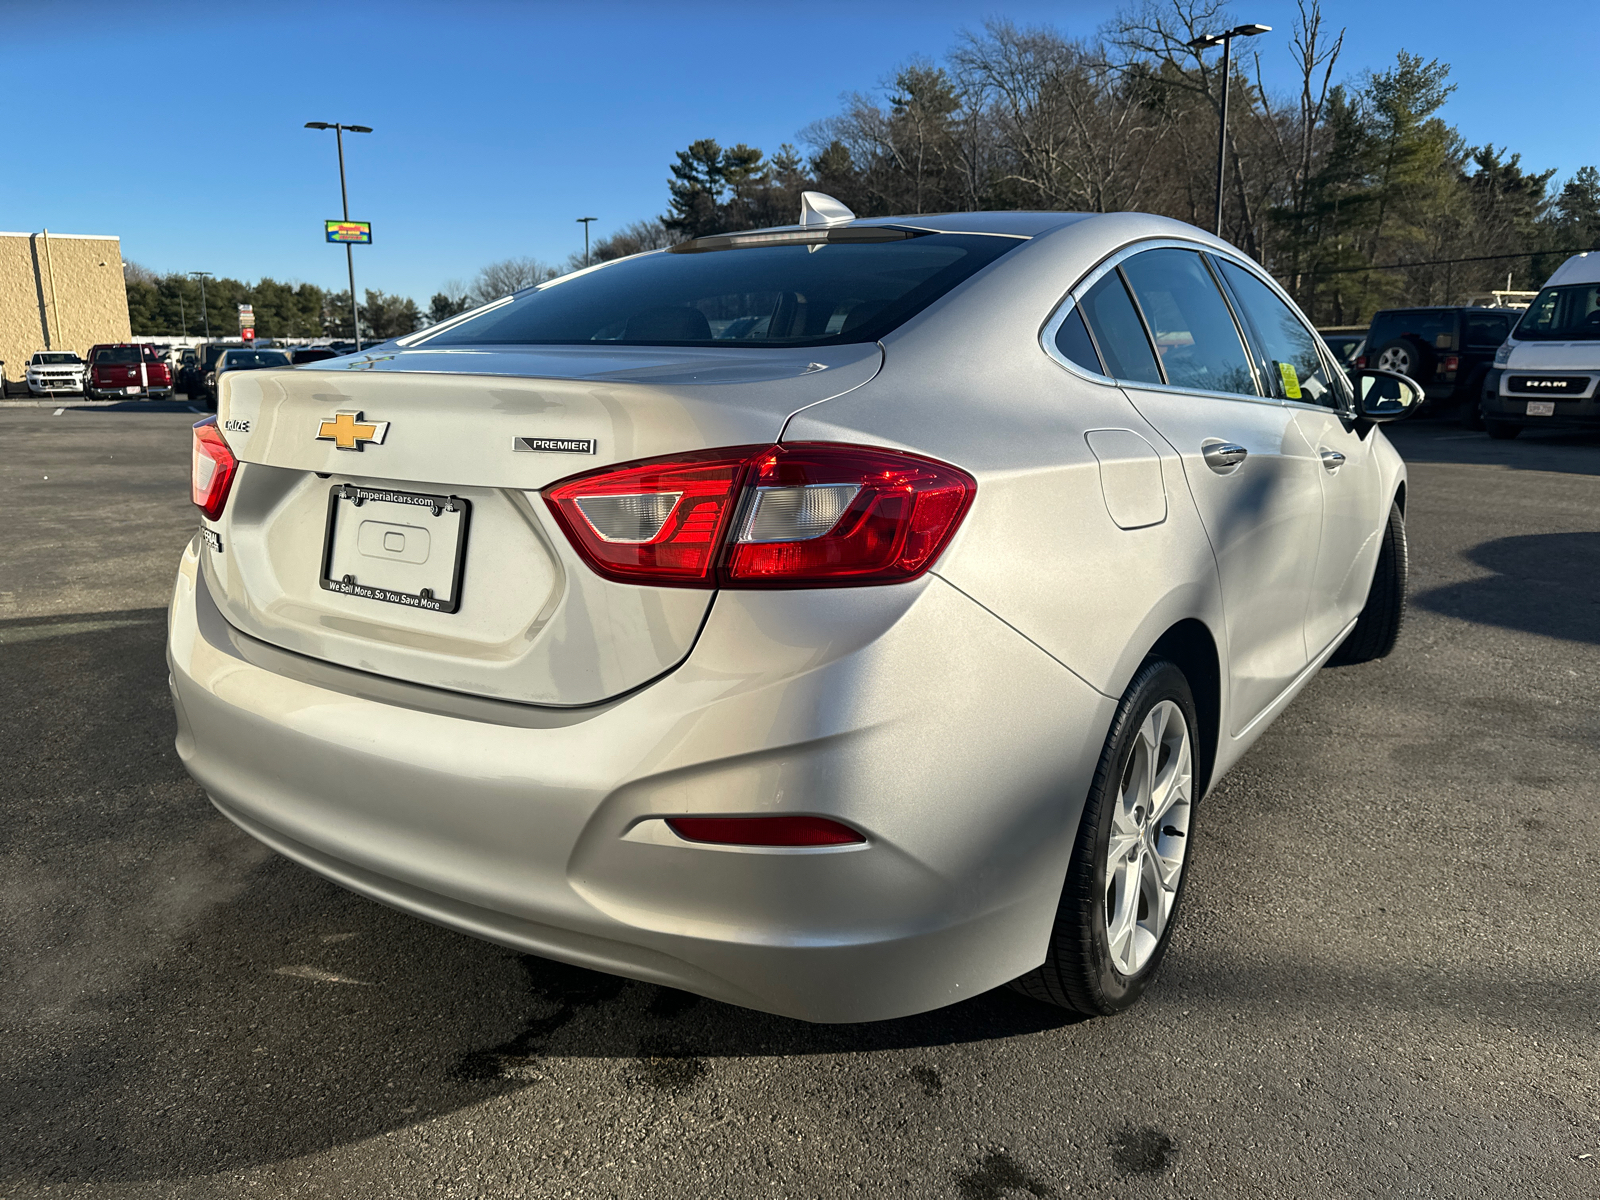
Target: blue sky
178,126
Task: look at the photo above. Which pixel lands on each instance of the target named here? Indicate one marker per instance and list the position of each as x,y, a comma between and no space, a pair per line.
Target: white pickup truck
1545,374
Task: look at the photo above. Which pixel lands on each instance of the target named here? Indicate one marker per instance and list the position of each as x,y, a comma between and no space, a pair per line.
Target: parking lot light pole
202,276
344,195
584,221
1225,40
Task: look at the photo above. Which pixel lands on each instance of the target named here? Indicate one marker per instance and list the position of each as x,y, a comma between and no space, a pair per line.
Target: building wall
87,304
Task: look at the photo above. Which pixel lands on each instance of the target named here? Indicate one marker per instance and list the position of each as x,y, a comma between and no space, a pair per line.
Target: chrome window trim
1052,325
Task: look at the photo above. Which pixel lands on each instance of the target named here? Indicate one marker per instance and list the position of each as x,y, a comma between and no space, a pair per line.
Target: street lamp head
585,220
1206,42
368,128
318,125
1249,30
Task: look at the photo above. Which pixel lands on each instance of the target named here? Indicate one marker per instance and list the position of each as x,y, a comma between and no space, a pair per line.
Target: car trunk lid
388,468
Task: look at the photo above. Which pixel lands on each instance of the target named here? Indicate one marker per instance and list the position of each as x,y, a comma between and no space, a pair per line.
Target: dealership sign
358,233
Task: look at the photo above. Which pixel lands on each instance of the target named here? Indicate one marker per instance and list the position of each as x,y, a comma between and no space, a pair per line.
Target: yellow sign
348,431
1291,381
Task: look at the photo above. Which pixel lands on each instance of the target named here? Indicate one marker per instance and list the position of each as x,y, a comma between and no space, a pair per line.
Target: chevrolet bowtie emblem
348,431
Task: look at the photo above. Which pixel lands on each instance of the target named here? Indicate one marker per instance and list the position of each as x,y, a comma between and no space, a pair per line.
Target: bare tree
1074,128
510,275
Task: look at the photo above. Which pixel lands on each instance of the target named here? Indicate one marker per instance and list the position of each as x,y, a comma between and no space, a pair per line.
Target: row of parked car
129,370
1496,369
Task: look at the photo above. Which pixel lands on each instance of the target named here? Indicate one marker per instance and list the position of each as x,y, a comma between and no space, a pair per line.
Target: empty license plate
399,547
1541,408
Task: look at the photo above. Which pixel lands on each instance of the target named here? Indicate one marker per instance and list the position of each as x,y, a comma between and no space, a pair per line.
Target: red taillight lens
660,521
1452,362
765,831
1361,361
213,469
819,514
808,515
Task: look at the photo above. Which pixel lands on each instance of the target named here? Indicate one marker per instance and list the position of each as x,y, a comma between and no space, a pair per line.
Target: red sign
248,335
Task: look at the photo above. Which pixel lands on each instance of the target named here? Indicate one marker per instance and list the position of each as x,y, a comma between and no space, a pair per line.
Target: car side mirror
1385,395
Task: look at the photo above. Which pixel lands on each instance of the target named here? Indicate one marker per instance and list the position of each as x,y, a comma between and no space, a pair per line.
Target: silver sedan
839,620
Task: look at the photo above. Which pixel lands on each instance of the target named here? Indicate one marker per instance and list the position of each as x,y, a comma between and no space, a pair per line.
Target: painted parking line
17,635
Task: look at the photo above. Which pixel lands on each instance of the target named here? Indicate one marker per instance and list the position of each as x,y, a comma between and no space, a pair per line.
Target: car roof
1580,268
1016,224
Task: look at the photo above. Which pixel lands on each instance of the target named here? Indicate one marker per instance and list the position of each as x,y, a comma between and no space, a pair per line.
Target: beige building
58,292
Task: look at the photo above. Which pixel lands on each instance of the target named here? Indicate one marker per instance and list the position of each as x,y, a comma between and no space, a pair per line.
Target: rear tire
1378,627
1124,886
1500,431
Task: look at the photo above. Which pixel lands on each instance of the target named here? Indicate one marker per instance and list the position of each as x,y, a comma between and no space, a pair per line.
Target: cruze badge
348,431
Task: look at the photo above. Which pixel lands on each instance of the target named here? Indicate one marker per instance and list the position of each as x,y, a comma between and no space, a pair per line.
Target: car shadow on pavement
147,406
1543,583
181,1001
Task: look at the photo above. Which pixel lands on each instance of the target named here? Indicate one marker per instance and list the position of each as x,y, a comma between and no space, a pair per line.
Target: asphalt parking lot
1386,983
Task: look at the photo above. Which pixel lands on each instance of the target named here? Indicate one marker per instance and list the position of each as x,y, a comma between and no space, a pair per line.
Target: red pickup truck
126,369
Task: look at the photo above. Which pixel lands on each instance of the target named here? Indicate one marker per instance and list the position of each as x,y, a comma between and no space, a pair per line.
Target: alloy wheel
1149,837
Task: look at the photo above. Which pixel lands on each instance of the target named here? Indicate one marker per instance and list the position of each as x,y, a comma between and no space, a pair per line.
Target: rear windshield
119,354
1570,313
237,360
1432,327
816,294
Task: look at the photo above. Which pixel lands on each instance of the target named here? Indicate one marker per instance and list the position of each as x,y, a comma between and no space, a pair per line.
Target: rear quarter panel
969,383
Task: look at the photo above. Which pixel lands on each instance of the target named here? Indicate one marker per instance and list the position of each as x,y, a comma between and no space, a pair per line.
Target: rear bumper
960,749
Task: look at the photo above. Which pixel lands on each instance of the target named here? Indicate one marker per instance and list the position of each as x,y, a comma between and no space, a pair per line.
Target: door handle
1332,459
1223,457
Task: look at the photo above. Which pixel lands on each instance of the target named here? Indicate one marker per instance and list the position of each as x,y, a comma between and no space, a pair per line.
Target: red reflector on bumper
765,831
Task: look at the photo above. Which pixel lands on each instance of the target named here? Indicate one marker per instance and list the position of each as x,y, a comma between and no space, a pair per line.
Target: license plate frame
1541,408
428,506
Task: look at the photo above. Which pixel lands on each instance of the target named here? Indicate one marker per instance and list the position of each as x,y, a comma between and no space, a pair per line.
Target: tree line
1352,191
1329,186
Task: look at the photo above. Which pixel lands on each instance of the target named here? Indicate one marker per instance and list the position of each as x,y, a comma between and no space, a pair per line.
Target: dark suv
1447,350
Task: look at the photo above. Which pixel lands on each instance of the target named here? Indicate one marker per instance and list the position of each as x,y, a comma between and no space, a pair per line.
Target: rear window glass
1193,330
1434,329
1570,313
1072,339
815,294
1118,332
118,354
236,360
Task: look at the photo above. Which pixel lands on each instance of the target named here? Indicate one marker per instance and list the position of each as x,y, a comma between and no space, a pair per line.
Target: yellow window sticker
1291,381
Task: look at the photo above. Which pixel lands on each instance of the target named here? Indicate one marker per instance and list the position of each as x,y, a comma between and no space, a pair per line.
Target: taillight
213,469
765,831
811,514
1452,362
1361,361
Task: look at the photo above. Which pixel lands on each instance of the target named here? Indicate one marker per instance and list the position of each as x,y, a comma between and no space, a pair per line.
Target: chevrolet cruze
838,620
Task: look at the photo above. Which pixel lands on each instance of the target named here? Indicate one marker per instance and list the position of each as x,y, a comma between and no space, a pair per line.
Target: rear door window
1118,332
1074,343
1190,322
1296,368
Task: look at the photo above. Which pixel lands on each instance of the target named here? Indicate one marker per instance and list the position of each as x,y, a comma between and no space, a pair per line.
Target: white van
1545,374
